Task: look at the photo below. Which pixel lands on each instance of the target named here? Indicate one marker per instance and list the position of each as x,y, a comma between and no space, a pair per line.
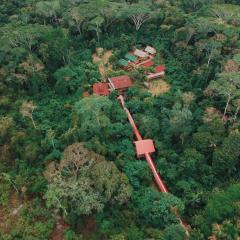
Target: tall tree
211,48
49,9
76,18
227,85
160,212
27,110
138,13
225,157
83,182
177,123
95,24
225,13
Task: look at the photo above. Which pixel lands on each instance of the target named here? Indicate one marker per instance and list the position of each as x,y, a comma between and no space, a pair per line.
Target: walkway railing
161,186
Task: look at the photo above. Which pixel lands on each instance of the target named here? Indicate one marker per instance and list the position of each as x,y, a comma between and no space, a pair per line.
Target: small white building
140,53
150,50
152,76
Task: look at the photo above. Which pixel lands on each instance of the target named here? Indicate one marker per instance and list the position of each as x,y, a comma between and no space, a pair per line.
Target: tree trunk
236,113
55,18
97,34
226,107
209,59
138,20
53,143
79,29
33,122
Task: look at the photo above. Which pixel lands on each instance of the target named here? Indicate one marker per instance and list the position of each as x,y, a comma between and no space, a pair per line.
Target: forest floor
102,62
58,232
159,86
9,214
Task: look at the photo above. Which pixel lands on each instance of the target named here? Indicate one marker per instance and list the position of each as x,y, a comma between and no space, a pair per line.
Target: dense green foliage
67,156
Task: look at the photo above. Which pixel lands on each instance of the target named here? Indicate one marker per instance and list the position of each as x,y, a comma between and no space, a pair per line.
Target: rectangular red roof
160,68
121,82
86,94
149,63
101,89
144,146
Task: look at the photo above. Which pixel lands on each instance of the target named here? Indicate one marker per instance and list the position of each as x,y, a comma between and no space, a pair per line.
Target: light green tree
138,13
225,13
27,109
96,24
76,19
49,9
178,121
226,85
83,182
211,48
23,36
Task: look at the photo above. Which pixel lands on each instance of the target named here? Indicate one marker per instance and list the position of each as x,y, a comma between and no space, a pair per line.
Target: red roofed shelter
148,63
101,89
86,94
160,68
120,83
159,72
144,146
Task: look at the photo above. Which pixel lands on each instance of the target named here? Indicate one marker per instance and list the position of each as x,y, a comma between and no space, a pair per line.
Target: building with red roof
159,72
120,83
144,146
86,94
160,68
148,63
101,89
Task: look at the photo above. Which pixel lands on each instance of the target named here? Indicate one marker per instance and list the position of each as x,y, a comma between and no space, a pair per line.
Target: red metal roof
160,68
101,89
144,146
148,63
86,94
121,82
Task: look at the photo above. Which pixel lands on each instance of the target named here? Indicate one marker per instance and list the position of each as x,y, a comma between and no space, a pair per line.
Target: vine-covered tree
83,182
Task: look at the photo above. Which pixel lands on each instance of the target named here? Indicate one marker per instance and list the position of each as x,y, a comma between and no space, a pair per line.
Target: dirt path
58,232
159,86
102,61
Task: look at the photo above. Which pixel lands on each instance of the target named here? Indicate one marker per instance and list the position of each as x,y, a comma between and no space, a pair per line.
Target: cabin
150,50
130,57
148,63
144,146
120,83
127,64
140,54
101,89
160,68
138,58
123,62
159,72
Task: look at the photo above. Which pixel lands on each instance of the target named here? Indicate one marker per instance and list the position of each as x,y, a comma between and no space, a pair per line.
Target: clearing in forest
158,86
102,61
